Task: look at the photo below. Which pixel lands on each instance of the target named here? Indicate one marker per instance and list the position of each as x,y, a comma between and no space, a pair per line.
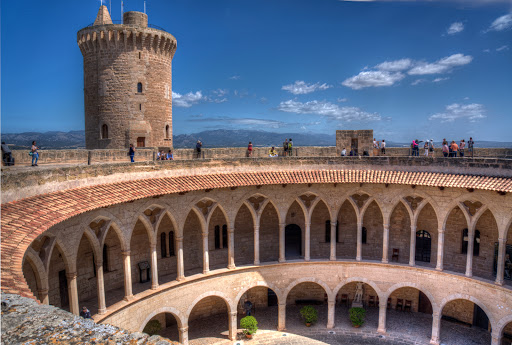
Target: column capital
385,226
282,304
307,223
441,230
178,238
126,252
256,227
282,225
183,329
413,228
99,264
152,246
502,240
71,275
42,291
233,313
204,234
331,303
334,223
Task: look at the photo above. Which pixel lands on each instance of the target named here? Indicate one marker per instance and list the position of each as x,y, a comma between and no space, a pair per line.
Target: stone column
282,227
359,240
496,338
436,328
385,244
154,267
501,260
383,305
206,259
72,293
469,254
102,307
281,318
333,241
43,296
179,261
233,329
307,244
440,249
231,247
128,295
412,249
330,314
257,242
183,335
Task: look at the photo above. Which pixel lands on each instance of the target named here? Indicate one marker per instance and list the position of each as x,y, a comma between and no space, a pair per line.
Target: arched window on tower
364,235
104,131
167,132
476,242
163,250
139,87
171,243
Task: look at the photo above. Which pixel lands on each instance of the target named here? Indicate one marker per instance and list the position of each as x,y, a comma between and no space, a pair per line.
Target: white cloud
329,110
501,23
395,66
372,79
342,100
437,80
418,81
187,100
486,50
234,77
471,112
441,66
505,47
220,92
455,28
244,121
301,88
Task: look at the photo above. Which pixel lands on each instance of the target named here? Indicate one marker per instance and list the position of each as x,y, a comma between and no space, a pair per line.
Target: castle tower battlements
127,82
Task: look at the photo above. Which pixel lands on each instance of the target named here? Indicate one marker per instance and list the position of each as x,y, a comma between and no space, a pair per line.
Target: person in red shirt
249,149
454,148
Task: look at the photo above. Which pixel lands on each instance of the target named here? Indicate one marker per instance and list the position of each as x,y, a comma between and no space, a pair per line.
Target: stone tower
127,82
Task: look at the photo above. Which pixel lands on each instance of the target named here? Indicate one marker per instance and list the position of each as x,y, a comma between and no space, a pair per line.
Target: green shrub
152,327
309,314
357,316
249,324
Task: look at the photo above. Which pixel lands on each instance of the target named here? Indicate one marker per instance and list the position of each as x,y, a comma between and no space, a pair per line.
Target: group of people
379,145
162,156
352,153
449,150
287,149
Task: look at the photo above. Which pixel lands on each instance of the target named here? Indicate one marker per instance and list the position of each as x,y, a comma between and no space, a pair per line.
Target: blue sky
425,69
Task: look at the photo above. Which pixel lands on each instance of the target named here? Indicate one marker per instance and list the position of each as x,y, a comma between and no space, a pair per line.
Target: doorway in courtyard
209,320
163,324
423,244
260,302
293,241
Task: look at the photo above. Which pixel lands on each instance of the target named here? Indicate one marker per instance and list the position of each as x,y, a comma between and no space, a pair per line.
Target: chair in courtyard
408,305
399,304
371,301
344,299
396,252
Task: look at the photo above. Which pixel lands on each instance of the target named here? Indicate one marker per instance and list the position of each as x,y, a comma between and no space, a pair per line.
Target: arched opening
244,237
347,220
113,275
423,246
164,325
507,267
167,132
192,245
303,294
29,272
269,234
399,235
346,298
140,257
294,236
485,244
167,264
373,222
320,231
454,259
86,276
104,131
58,294
427,221
409,305
506,336
139,87
466,313
209,320
262,303
218,240
293,241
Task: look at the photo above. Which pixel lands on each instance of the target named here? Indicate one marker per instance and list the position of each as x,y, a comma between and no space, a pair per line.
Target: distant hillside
214,138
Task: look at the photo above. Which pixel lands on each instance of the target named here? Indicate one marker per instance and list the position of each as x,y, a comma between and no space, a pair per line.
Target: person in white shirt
344,152
383,147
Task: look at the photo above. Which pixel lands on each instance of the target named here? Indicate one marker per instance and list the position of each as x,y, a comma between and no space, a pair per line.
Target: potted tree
250,326
357,316
309,314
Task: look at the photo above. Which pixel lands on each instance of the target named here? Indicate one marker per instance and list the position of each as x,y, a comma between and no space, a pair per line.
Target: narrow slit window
364,235
139,87
171,243
104,131
163,250
217,237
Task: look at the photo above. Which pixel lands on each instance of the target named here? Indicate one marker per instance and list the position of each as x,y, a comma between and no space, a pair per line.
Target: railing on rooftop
117,22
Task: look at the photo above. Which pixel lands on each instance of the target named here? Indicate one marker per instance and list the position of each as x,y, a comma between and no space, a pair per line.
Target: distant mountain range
213,138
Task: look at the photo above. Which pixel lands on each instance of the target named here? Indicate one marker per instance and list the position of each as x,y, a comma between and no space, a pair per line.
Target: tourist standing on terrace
285,147
249,149
272,152
343,152
446,150
425,146
454,147
198,148
35,154
290,147
462,145
431,147
383,147
131,153
169,156
471,143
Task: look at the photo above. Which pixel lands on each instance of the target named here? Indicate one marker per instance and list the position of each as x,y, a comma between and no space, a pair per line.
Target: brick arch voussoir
180,319
317,202
38,267
271,286
359,279
500,327
229,303
473,299
296,282
147,225
432,299
93,241
167,212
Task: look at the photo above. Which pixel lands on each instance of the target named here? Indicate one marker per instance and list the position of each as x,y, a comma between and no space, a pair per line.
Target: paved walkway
403,328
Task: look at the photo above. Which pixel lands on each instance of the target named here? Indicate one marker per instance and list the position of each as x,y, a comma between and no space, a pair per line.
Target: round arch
222,295
418,287
259,284
500,327
175,312
308,280
358,279
457,296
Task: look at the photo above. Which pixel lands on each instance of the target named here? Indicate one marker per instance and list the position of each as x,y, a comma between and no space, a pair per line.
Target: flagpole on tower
144,6
122,10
